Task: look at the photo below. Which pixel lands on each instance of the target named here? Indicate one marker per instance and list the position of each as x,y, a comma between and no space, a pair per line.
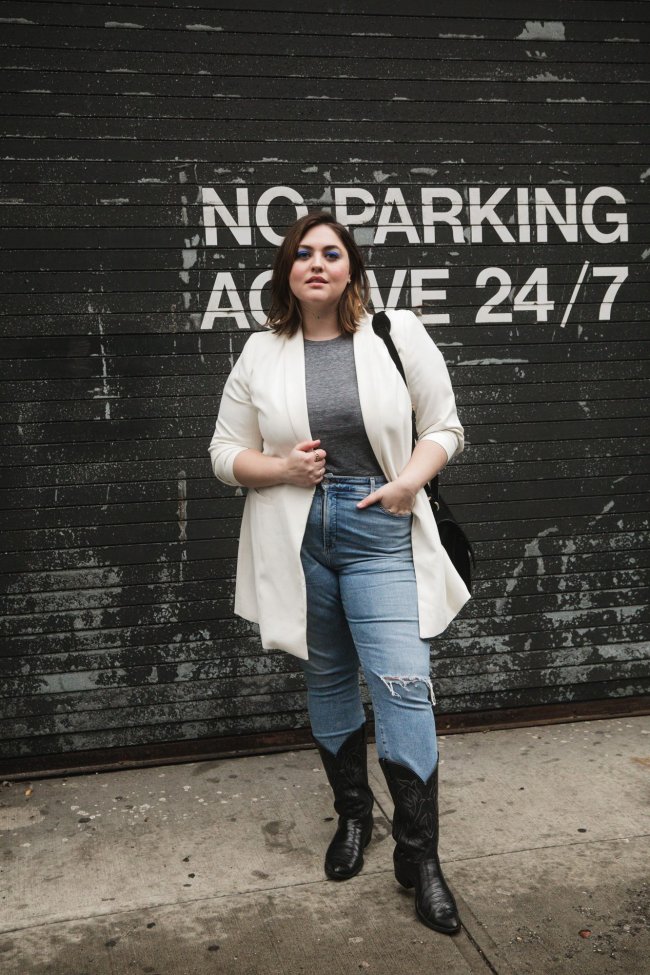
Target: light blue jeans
362,610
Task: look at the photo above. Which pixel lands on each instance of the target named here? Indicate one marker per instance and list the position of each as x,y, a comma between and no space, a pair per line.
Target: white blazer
264,406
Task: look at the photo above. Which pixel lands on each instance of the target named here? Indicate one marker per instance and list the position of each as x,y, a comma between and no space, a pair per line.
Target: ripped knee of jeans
391,681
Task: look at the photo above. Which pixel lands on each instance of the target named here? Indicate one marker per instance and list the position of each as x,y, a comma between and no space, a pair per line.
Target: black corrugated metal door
494,168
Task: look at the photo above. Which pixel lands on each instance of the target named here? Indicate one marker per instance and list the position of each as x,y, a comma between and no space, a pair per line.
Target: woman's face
321,268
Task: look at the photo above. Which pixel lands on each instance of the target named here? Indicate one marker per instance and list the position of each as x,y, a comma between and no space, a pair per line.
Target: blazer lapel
294,386
365,363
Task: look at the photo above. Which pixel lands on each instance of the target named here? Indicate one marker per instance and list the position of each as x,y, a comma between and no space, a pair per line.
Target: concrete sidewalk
216,867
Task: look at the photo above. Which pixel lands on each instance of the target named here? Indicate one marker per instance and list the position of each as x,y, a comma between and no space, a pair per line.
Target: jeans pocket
392,514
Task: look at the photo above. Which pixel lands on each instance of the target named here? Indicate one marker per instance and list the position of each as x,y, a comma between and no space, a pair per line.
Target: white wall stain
608,507
202,27
547,76
184,215
462,37
103,392
363,236
623,40
16,20
182,506
124,23
189,255
542,30
531,550
117,201
489,362
645,253
644,175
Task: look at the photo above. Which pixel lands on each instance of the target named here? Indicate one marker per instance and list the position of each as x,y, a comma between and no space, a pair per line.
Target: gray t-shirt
334,409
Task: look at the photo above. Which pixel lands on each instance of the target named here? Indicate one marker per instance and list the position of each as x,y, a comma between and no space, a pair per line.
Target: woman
340,561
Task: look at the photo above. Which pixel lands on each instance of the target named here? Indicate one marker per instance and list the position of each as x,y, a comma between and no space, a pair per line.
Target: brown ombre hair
285,316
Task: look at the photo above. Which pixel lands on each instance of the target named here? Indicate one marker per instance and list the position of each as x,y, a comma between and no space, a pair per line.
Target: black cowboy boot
347,772
415,831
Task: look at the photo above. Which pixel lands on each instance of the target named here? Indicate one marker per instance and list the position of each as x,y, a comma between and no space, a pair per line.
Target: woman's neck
320,323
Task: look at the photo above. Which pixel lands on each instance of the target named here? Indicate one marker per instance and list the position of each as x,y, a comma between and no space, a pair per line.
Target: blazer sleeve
430,389
237,427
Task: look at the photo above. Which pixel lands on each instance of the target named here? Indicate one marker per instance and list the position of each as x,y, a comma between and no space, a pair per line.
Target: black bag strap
381,327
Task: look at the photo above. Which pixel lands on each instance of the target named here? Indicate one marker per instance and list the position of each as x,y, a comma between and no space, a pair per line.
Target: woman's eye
302,254
334,255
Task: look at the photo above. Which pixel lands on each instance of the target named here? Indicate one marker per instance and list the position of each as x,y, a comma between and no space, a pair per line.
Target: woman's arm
236,445
427,460
304,467
440,433
237,428
427,376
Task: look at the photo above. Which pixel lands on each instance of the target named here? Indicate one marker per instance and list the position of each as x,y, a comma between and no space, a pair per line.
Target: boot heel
368,836
403,877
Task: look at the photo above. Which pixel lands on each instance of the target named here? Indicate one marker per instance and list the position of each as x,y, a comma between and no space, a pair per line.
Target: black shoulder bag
452,536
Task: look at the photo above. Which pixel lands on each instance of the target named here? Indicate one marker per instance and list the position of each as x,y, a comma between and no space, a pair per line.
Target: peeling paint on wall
542,30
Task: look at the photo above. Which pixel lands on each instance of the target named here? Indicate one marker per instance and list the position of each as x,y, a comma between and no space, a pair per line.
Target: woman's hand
305,465
396,497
